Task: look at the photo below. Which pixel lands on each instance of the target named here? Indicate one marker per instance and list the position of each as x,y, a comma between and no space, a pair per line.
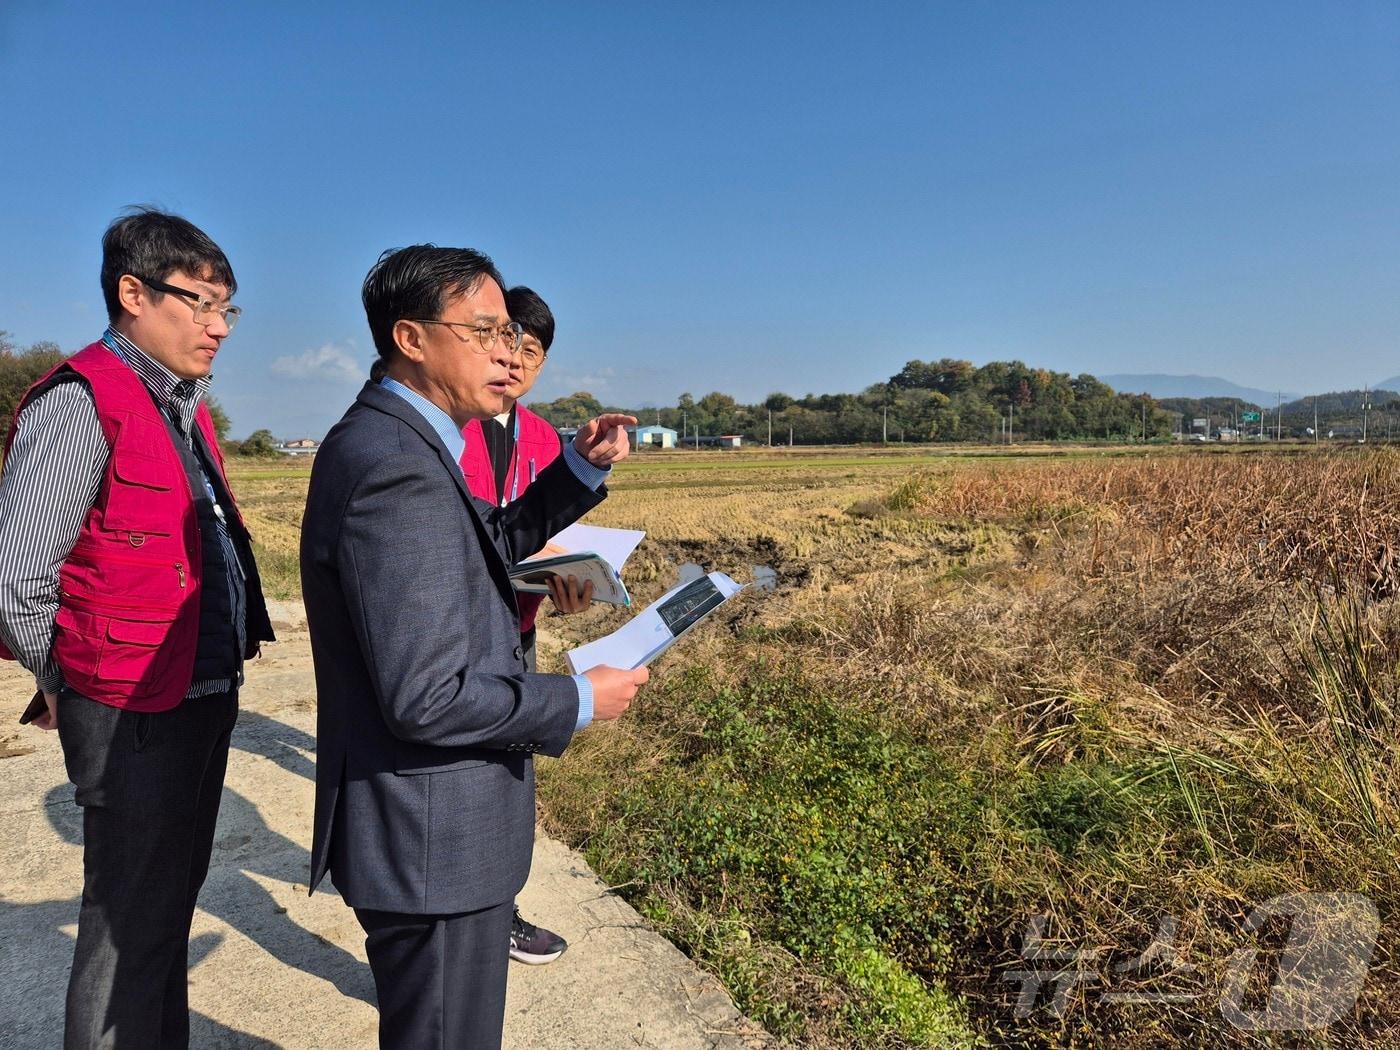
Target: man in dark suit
427,718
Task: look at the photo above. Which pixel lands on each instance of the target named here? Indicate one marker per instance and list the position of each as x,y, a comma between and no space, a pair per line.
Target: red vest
128,613
535,448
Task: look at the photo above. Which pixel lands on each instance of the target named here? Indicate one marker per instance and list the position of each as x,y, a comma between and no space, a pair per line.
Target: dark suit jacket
426,718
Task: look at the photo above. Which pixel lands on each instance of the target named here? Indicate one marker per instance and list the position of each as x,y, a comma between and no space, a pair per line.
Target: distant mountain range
1162,386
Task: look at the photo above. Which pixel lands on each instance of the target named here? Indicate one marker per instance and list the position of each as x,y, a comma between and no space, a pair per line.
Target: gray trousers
149,786
441,979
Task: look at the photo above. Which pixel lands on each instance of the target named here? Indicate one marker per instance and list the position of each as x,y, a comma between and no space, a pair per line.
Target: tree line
944,400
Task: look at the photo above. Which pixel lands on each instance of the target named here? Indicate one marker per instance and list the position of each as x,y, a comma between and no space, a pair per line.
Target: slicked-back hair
533,314
150,243
418,281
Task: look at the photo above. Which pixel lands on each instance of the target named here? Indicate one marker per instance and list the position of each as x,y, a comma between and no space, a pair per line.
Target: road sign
1249,417
1201,424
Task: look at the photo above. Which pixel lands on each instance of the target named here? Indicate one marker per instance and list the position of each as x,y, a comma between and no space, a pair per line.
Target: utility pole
1315,434
1144,422
684,429
770,428
1278,410
885,434
1010,422
1365,408
789,435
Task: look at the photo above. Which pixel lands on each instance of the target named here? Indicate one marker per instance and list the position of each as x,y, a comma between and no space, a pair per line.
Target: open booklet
594,553
652,631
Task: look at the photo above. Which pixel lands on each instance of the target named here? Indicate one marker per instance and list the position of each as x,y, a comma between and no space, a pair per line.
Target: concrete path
271,967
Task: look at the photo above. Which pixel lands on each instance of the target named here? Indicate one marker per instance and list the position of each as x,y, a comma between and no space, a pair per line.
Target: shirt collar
163,383
439,420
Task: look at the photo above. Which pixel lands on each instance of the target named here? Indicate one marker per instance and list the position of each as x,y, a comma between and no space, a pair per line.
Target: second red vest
535,448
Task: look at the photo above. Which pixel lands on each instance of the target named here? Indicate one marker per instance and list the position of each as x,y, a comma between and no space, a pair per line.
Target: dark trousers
441,979
149,785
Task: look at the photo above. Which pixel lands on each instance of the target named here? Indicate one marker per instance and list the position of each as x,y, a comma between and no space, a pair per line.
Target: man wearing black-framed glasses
205,306
128,589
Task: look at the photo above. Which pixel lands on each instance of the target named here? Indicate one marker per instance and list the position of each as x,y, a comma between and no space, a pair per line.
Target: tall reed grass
1169,693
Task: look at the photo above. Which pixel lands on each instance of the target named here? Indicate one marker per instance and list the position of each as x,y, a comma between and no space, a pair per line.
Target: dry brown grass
1168,636
272,497
1270,518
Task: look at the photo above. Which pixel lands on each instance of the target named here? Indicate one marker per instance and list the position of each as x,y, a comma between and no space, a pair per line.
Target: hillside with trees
945,400
948,400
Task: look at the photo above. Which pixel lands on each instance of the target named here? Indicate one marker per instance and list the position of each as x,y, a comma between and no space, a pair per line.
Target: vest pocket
133,504
132,651
78,638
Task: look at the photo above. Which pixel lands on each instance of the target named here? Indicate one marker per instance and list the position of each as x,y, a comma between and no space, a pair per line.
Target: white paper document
592,553
615,545
652,631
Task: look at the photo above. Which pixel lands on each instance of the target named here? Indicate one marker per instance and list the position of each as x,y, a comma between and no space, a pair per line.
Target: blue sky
749,198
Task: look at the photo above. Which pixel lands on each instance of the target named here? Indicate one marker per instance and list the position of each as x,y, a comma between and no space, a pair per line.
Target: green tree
220,417
947,376
571,411
260,444
777,402
19,369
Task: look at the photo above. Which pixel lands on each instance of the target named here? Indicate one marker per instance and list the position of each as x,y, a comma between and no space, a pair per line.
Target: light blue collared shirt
451,436
439,420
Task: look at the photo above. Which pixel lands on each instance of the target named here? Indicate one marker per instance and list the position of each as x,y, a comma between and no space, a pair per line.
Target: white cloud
329,363
600,382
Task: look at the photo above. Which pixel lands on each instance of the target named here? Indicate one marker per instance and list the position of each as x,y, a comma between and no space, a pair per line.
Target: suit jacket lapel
375,396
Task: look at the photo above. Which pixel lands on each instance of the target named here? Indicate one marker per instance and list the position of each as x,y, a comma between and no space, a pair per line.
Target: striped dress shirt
51,478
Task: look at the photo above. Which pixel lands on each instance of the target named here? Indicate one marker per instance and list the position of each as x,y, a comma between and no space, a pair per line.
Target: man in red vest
503,456
128,589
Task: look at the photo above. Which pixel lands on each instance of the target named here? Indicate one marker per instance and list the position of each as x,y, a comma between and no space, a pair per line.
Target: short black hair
417,281
150,243
532,313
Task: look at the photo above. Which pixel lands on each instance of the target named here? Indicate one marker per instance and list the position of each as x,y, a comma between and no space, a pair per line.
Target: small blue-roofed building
658,437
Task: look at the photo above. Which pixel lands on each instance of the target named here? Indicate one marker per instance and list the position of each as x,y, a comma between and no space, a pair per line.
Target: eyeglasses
532,355
486,334
205,309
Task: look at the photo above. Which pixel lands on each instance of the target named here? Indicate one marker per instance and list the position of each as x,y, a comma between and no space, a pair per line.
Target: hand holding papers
651,632
593,554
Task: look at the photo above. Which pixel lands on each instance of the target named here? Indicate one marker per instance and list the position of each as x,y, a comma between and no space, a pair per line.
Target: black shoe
532,945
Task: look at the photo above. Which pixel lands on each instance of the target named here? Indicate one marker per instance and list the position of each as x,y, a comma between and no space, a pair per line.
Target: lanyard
514,467
515,463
